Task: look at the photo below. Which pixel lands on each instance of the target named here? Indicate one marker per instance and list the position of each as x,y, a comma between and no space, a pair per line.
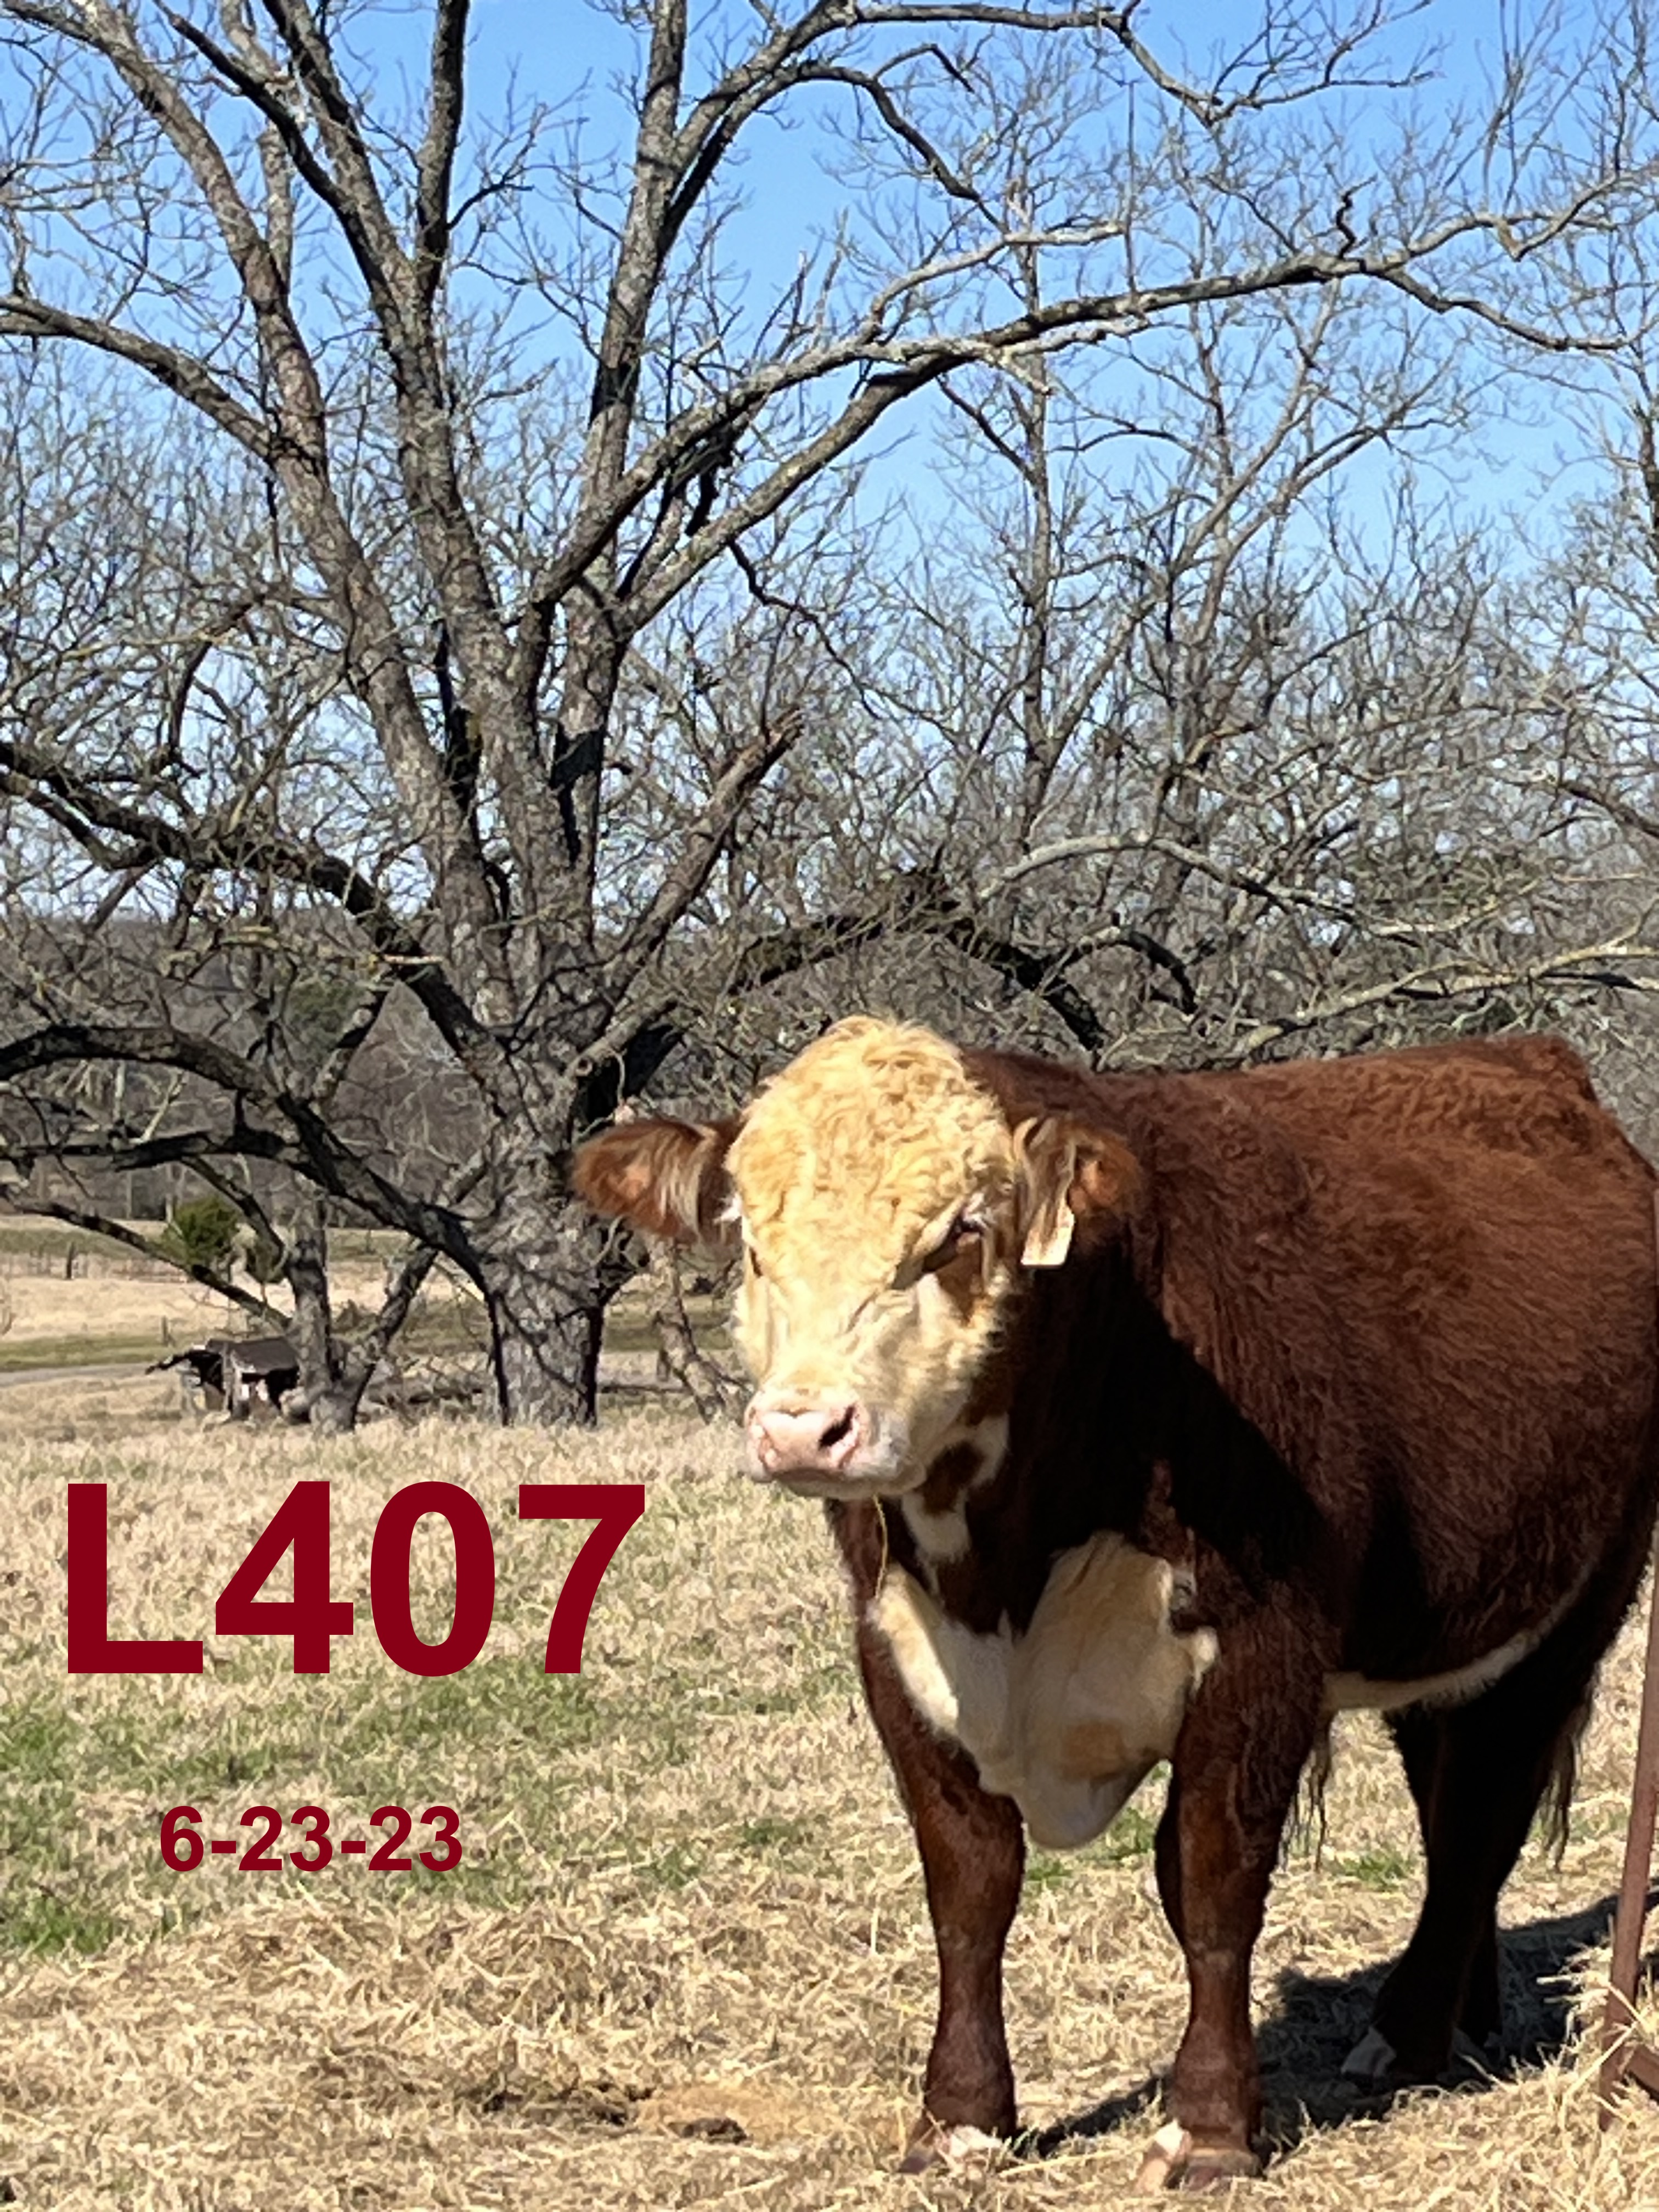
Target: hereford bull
1163,1417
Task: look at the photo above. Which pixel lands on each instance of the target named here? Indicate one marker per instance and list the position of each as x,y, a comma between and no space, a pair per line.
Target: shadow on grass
1315,2021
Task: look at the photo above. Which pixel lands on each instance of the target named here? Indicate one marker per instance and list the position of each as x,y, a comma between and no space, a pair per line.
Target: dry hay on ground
686,1960
79,1405
57,1315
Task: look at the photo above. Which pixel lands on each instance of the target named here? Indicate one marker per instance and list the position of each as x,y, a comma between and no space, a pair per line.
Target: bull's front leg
1234,1776
972,1860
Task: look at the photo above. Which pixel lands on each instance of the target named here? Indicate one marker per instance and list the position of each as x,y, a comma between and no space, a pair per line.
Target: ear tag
1046,1246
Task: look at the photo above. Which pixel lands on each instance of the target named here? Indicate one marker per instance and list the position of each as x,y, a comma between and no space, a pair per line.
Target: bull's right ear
667,1178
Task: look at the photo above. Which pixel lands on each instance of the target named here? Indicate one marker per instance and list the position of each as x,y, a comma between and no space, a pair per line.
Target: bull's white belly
1068,1719
1349,1693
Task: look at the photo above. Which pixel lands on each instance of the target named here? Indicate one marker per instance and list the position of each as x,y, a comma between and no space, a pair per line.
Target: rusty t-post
1623,2052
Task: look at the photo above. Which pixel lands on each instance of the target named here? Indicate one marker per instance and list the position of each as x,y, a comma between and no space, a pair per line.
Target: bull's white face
886,1210
874,1186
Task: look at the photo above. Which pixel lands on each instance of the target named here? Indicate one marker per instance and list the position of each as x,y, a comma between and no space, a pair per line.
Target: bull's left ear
667,1178
1066,1172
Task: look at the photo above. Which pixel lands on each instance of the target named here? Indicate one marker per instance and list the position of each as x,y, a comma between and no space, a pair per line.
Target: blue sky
1528,454
1529,457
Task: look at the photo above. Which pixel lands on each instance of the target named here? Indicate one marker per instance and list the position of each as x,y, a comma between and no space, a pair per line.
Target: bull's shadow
1311,2022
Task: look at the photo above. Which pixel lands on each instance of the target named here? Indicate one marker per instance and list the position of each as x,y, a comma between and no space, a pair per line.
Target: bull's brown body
1366,1352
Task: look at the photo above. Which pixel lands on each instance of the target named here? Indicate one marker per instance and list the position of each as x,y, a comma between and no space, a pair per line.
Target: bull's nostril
838,1430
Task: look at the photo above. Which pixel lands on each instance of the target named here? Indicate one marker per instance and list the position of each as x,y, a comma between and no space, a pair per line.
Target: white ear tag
1046,1244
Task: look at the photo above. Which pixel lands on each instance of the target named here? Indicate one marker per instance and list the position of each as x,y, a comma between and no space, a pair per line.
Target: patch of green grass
493,1742
39,1918
1131,1836
506,1702
809,1686
628,1326
43,1901
674,1869
1383,1867
52,1240
32,1744
1047,1870
503,1722
68,1351
773,1836
41,1237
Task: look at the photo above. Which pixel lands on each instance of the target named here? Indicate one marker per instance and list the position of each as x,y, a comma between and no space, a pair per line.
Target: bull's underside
1340,1392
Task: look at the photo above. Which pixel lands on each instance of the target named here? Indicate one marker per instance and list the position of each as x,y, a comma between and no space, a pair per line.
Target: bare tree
499,441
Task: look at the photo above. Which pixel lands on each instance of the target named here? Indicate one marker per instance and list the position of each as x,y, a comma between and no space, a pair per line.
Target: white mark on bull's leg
963,2150
1068,1719
1164,2159
1176,2159
942,1536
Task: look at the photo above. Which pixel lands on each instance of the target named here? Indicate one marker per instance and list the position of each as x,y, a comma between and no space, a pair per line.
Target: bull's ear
667,1178
1066,1172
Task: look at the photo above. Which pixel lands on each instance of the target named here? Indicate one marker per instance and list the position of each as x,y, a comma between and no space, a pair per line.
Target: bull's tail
1307,1823
1555,1807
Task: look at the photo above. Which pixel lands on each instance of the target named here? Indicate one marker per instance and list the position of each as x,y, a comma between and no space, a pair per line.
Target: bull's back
1431,1279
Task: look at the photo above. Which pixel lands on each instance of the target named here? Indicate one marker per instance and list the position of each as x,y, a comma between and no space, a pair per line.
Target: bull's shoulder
1539,1058
1538,1081
1256,1142
1530,1095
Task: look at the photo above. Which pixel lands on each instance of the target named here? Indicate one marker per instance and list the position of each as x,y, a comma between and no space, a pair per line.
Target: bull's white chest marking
1068,1719
941,1537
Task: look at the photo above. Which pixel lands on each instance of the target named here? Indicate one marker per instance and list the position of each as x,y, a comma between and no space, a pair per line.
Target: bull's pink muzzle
804,1432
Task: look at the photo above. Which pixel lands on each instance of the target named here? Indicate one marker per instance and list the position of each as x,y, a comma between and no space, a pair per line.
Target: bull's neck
1055,1445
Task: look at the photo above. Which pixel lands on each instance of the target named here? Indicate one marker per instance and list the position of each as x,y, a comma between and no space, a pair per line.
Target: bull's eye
748,1254
962,1235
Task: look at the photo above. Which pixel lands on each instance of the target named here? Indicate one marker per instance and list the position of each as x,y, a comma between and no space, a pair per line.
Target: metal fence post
1623,2052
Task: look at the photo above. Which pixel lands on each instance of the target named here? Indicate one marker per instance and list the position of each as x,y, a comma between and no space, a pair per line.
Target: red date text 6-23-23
183,1847
311,1617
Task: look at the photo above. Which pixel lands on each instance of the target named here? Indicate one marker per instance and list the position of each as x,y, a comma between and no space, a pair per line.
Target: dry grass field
113,1310
685,1959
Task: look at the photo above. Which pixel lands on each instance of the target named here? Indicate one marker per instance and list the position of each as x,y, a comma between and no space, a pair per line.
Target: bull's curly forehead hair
877,1127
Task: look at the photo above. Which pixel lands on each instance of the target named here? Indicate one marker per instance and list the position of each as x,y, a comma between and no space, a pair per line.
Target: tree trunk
329,1390
548,1271
332,1411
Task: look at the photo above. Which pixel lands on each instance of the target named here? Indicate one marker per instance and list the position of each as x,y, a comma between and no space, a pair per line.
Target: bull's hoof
960,2150
1371,2060
1375,2064
1175,2159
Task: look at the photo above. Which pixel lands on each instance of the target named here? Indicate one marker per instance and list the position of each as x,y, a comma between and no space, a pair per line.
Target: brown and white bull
1163,1417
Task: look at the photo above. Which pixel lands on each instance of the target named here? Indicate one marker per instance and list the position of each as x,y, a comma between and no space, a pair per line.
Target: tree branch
149,1248
22,316
314,1152
436,163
